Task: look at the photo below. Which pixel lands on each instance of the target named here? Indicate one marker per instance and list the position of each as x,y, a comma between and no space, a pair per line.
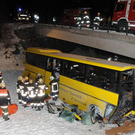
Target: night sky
56,7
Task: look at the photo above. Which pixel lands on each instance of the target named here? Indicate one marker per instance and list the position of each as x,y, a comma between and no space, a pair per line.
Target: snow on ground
31,122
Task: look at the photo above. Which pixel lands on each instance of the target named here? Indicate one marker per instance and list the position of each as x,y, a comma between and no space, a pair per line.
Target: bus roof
114,65
42,50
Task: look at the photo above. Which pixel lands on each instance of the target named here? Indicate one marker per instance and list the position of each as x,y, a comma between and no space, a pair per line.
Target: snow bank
11,51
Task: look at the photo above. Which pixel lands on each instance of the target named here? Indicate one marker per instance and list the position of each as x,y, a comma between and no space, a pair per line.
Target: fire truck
76,17
124,15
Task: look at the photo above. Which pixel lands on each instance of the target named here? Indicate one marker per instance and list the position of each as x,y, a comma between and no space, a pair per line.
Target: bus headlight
109,109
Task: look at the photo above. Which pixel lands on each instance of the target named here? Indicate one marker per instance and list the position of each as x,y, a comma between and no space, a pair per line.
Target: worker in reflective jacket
40,94
18,88
54,88
4,100
31,93
24,94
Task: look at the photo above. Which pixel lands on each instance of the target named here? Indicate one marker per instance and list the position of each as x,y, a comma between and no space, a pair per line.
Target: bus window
30,59
74,70
101,77
40,61
49,64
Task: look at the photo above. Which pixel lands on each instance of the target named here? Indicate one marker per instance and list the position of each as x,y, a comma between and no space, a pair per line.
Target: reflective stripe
21,87
41,86
40,95
5,113
4,107
32,96
3,95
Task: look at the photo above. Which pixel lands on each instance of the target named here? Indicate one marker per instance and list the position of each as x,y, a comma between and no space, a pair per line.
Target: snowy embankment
30,122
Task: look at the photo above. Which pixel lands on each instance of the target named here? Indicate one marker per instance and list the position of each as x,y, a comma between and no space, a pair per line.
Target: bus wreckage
107,88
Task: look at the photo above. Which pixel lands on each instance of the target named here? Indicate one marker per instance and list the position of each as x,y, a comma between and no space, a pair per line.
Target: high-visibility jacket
4,97
3,92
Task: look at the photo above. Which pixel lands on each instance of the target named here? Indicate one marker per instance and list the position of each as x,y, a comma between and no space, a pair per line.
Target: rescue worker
24,93
4,100
40,94
18,88
1,78
54,88
26,80
37,78
97,21
31,93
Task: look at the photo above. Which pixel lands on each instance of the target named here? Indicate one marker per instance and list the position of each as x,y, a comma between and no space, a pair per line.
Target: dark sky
56,7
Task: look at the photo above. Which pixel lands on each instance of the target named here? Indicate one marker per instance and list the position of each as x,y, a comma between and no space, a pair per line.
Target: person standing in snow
37,78
24,92
4,100
31,93
54,88
26,80
18,87
40,94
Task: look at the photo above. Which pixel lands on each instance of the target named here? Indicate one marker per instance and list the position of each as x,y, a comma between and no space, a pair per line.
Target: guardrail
103,25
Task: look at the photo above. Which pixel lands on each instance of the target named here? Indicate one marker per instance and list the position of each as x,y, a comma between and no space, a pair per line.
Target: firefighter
4,100
31,93
40,94
54,88
24,93
18,88
37,78
26,80
1,78
97,21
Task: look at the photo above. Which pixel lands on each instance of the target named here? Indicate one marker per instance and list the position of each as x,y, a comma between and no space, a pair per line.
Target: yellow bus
106,86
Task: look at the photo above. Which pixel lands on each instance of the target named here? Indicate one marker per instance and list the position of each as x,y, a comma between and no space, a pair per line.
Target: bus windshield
128,80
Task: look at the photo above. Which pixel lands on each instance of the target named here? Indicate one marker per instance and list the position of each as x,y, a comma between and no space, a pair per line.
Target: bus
106,86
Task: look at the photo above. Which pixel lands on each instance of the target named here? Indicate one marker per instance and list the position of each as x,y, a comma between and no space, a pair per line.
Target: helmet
26,78
30,81
40,80
51,77
20,78
39,74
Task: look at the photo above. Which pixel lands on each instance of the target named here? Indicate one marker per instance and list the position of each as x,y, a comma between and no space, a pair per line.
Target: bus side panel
72,92
32,76
25,73
47,80
33,71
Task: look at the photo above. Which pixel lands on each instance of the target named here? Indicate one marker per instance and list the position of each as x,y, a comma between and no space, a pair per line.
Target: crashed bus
106,86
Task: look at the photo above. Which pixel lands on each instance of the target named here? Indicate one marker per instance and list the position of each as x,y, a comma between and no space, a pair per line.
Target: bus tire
96,111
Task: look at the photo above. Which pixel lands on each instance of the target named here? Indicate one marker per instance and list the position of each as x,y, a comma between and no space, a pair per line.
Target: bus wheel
122,26
96,111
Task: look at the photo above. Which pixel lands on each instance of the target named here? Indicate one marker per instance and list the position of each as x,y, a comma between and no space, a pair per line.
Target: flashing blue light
20,9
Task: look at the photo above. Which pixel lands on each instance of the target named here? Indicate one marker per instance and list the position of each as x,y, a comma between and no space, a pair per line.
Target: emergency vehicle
124,15
76,17
22,14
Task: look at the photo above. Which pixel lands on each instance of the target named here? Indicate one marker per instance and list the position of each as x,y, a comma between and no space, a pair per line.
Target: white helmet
51,77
